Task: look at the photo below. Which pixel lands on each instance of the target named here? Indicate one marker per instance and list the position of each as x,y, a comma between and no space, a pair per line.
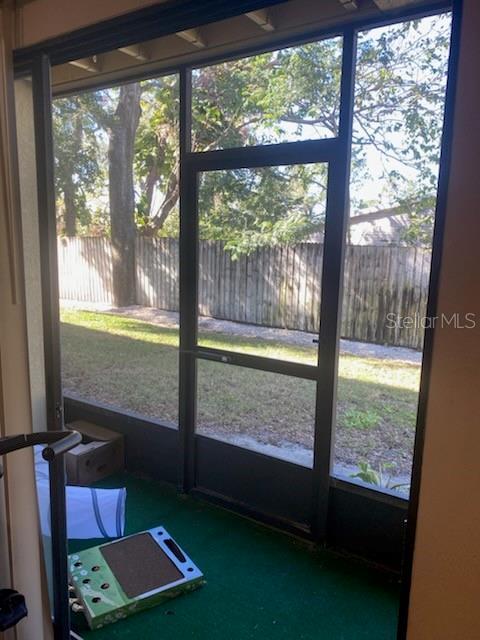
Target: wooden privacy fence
277,286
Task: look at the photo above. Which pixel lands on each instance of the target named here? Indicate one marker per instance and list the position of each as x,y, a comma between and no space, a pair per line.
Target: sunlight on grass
121,326
401,375
132,365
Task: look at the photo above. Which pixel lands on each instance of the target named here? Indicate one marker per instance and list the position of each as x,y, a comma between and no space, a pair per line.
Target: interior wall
20,537
31,251
446,572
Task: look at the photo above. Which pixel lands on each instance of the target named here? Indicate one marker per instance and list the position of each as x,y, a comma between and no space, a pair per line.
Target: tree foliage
399,102
156,155
77,163
287,95
249,208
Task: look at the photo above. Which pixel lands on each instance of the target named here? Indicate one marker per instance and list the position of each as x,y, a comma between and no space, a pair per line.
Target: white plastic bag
91,513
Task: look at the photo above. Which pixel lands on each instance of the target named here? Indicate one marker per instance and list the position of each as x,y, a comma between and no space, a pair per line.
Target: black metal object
58,443
267,485
188,290
261,363
376,520
13,608
432,305
332,288
267,155
42,112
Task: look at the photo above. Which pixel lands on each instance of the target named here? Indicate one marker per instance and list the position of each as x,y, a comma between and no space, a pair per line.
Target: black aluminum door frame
44,158
335,152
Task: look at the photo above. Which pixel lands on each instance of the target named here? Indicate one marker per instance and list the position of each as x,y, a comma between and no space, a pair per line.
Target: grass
133,365
355,419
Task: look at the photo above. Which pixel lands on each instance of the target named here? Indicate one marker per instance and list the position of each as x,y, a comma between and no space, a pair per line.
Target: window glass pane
261,249
114,359
281,96
398,111
116,162
258,410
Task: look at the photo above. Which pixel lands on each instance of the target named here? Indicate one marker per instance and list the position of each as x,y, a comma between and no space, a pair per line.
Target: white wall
445,594
18,486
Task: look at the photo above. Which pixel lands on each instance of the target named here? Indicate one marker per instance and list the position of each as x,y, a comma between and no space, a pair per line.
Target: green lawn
133,365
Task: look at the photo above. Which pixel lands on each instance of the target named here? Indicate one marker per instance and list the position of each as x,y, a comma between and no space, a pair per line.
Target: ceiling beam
386,5
349,5
193,36
262,18
136,51
87,64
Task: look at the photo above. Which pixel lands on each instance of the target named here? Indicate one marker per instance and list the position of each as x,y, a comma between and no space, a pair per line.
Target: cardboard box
103,456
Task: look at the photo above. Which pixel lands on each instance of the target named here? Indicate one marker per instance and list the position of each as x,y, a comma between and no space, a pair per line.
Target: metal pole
42,109
332,291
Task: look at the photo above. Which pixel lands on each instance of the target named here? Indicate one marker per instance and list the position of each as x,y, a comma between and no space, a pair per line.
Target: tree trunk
70,217
150,183
70,189
121,189
169,202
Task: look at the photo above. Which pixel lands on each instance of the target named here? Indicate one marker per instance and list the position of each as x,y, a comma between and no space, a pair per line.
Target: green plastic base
101,593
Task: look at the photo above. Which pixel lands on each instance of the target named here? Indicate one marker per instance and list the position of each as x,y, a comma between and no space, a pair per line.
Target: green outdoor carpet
261,584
